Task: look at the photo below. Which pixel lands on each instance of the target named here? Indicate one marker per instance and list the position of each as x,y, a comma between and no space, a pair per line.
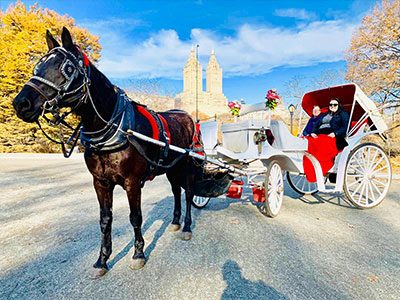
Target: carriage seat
284,140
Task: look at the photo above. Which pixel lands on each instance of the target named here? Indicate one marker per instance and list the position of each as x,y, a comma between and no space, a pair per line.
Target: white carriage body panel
209,134
238,144
238,137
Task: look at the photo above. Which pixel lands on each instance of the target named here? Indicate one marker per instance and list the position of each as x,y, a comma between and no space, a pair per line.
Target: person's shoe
332,177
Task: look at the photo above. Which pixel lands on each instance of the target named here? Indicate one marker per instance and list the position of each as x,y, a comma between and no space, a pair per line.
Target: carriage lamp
291,109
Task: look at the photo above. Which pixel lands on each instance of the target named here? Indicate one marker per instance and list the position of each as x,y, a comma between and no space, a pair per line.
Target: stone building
211,101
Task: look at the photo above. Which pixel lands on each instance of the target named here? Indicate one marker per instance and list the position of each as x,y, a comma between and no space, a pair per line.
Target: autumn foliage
22,43
374,56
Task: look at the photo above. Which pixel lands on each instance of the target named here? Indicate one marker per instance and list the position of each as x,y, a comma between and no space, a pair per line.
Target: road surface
317,248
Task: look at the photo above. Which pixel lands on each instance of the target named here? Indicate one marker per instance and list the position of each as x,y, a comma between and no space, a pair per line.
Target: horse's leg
189,194
176,190
133,191
104,191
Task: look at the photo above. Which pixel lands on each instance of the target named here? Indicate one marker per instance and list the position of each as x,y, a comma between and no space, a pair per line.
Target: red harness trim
196,139
85,60
165,127
150,118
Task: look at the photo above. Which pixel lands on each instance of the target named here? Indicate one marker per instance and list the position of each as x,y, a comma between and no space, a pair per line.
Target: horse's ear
67,39
51,41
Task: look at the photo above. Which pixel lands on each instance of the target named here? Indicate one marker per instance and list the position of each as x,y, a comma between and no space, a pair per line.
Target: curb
40,156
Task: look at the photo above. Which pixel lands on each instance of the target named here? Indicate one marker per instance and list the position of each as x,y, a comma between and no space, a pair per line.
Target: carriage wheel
300,184
200,202
273,191
367,175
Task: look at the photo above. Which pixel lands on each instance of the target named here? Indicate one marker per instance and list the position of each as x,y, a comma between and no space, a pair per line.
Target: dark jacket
310,124
339,124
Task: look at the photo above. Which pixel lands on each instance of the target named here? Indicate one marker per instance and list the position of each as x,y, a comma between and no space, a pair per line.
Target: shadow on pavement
162,211
242,288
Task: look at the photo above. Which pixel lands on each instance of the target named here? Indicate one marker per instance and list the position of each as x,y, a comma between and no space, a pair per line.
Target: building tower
190,75
214,76
210,102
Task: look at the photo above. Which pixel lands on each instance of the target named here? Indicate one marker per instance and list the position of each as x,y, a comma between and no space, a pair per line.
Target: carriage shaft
189,152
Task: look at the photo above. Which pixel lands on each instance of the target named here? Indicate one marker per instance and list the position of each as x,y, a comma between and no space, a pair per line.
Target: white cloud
252,50
295,13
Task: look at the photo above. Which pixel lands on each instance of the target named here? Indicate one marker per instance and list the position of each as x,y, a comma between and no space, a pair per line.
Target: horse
64,78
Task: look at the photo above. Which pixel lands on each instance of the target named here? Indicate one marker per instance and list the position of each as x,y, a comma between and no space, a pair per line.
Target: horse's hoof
174,227
137,263
186,236
97,273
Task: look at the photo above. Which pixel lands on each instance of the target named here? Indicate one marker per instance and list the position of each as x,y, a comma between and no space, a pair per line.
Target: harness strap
37,89
164,122
139,148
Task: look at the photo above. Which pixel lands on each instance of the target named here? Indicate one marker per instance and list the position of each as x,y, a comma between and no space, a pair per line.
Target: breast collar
113,136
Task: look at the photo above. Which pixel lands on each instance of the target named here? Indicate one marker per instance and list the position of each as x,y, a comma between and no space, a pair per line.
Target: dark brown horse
64,78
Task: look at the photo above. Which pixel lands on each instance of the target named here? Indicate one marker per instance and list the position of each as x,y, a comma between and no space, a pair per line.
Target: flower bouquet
272,99
235,107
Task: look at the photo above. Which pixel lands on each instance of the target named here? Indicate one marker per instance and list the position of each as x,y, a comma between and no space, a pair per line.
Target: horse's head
59,80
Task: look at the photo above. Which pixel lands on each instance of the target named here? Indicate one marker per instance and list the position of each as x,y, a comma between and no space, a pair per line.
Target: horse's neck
102,102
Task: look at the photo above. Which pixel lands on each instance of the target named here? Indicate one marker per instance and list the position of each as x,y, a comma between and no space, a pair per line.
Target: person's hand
332,135
314,135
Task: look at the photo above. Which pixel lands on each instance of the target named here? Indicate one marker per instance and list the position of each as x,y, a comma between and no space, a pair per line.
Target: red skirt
324,150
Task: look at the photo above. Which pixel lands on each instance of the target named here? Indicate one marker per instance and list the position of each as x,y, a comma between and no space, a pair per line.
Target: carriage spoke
376,164
361,192
368,175
379,170
355,168
353,183
375,155
304,184
355,175
376,188
379,182
384,176
372,191
356,190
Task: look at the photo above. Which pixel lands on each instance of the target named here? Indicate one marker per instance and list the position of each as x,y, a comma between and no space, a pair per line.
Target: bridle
71,68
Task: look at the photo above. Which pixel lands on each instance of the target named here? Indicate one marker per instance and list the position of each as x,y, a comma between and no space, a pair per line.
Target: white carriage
362,170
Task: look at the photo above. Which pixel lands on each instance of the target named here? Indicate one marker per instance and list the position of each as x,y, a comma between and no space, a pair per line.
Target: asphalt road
317,248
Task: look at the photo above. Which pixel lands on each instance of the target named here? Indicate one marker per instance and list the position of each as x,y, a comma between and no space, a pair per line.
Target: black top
338,125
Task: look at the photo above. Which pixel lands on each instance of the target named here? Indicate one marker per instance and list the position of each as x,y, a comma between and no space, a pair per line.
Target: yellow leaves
22,43
374,55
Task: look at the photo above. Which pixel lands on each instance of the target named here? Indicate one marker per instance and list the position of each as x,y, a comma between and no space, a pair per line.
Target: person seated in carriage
316,115
333,123
327,138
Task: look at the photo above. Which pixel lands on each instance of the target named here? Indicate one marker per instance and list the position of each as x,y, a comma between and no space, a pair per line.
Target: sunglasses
333,104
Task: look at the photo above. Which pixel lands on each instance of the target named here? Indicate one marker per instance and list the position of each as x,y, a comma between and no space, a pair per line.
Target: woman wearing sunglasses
327,138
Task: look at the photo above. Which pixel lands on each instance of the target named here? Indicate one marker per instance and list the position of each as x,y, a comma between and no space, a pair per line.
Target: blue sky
259,44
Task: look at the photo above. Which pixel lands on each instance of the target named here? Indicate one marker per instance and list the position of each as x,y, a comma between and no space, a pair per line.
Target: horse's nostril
26,104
